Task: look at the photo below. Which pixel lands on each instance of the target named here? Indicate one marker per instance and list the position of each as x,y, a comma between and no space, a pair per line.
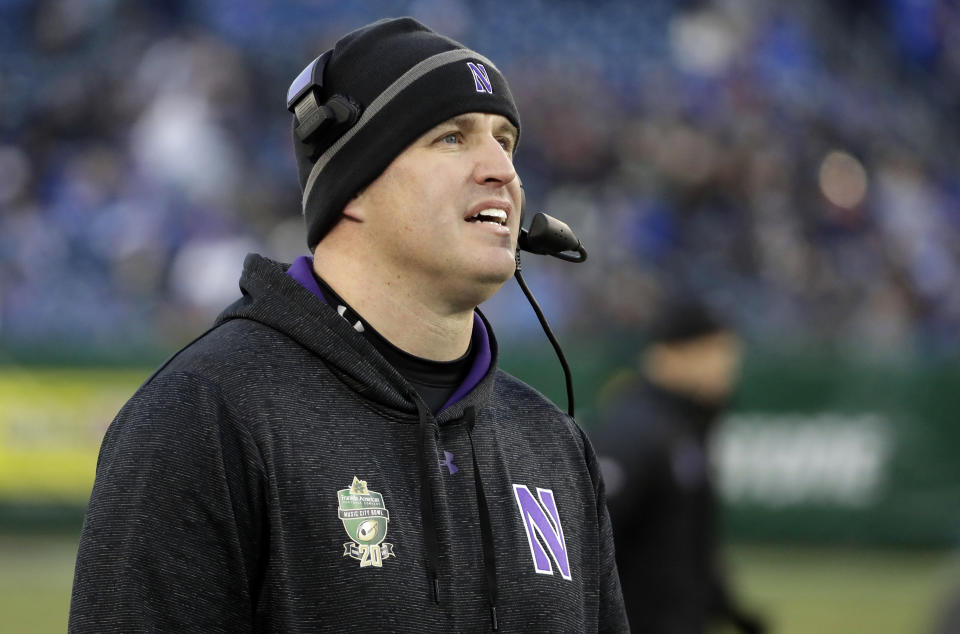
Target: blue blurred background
794,164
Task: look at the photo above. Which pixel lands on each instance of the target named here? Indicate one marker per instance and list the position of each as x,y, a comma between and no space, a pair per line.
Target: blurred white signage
781,460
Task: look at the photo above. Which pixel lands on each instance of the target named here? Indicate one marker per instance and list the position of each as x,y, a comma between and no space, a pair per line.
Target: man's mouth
496,216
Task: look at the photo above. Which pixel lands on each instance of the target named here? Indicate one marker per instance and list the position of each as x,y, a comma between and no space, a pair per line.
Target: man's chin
482,284
500,270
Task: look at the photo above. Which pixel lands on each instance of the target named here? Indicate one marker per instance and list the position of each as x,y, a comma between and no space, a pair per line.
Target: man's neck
398,308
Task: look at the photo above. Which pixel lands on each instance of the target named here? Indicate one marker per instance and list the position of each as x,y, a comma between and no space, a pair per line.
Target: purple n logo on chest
540,517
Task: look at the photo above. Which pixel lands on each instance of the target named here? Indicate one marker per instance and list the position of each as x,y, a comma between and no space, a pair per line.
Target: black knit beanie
684,318
404,79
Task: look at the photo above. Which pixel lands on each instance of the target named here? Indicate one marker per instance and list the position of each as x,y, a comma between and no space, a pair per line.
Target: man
340,452
652,444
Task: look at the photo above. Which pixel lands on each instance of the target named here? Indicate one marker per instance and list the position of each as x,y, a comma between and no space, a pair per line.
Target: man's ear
356,209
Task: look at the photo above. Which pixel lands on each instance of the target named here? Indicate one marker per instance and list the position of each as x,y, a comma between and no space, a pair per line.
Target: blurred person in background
947,619
652,440
340,452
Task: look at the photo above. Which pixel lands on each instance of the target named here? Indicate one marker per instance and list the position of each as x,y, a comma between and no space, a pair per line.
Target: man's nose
494,164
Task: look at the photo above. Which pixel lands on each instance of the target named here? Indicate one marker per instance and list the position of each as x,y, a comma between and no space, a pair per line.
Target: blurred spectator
652,443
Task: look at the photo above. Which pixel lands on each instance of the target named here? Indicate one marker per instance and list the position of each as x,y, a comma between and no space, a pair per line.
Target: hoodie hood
275,299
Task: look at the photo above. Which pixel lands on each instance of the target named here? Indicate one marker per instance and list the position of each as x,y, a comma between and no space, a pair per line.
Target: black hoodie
278,475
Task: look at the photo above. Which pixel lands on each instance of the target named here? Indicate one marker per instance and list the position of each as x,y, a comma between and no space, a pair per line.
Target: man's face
445,214
705,368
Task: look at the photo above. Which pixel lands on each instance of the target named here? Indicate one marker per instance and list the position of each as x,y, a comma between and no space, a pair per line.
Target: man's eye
506,143
451,138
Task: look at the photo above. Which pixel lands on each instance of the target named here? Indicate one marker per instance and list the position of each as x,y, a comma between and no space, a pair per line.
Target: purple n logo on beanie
480,78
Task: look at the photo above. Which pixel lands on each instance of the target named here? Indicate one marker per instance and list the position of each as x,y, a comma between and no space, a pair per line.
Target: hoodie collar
281,301
302,271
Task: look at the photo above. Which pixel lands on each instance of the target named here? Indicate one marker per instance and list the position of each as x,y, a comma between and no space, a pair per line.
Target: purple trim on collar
480,341
302,271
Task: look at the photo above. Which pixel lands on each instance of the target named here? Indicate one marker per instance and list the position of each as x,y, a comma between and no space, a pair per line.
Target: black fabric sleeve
172,536
612,615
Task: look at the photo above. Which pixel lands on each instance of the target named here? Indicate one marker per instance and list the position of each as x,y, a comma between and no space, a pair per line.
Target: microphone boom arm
549,236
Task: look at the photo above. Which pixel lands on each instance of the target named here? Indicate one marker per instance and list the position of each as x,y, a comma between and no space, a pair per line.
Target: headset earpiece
303,100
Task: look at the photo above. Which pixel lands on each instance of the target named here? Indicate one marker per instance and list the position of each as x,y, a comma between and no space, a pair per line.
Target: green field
839,591
35,578
800,590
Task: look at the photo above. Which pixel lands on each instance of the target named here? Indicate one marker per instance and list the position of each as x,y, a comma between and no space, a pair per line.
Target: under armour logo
481,80
448,462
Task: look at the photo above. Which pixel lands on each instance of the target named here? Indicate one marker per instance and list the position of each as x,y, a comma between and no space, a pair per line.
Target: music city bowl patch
365,519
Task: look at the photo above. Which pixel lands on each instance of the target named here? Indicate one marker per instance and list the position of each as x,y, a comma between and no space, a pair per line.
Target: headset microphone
548,236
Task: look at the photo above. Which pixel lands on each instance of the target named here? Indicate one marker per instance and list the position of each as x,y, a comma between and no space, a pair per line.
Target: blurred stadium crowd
794,163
